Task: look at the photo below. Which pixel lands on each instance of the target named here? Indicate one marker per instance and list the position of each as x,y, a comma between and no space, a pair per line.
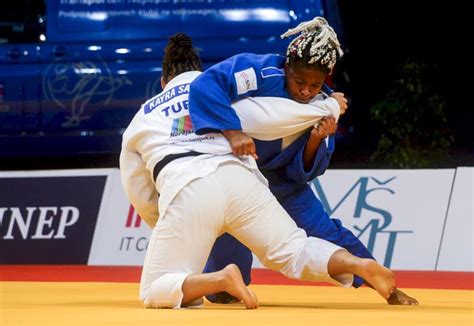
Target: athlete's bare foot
235,286
400,298
381,278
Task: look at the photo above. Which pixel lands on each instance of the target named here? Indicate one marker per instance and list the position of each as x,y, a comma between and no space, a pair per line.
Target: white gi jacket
162,126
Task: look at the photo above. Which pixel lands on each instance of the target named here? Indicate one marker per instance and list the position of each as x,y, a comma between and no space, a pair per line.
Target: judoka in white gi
190,189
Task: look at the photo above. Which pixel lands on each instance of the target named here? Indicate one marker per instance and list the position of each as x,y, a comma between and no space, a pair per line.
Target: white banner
398,214
121,237
457,247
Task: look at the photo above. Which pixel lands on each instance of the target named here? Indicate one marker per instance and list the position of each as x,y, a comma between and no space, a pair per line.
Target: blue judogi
210,97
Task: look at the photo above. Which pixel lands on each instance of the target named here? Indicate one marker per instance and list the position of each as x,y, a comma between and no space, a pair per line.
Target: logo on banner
44,218
133,224
48,220
377,226
133,219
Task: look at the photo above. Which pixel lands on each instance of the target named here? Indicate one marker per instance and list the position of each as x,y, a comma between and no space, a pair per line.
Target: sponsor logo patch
246,81
182,126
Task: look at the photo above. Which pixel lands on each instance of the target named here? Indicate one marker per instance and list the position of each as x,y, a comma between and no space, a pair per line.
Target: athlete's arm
212,93
296,171
326,127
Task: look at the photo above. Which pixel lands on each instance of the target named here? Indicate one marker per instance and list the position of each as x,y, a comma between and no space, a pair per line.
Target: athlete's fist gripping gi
240,143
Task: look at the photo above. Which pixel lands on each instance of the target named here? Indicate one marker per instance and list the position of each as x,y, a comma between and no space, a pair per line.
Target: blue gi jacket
245,75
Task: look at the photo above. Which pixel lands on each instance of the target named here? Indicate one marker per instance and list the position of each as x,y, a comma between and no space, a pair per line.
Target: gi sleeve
138,185
295,169
213,91
270,118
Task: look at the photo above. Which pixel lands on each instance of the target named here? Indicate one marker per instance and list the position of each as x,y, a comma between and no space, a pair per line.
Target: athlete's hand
240,143
342,100
326,126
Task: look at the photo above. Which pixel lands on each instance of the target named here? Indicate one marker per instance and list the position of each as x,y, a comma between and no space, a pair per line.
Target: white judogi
202,197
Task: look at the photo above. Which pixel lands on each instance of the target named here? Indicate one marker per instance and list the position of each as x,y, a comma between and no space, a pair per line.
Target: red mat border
131,274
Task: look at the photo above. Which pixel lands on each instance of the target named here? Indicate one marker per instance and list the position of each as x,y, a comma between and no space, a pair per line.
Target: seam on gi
221,193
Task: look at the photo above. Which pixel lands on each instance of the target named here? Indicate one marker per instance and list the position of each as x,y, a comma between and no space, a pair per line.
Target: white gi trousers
233,200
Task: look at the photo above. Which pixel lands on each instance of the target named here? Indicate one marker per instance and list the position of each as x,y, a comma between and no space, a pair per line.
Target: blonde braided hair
317,44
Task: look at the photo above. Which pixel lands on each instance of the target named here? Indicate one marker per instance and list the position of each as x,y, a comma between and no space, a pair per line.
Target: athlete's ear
163,83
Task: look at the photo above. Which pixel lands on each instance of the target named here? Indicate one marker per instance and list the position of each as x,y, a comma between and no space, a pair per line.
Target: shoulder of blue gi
240,76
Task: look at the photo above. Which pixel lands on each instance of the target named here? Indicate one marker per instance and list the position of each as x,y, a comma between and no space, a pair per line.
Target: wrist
315,135
231,133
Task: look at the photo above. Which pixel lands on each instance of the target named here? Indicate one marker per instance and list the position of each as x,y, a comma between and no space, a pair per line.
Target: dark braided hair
317,45
180,56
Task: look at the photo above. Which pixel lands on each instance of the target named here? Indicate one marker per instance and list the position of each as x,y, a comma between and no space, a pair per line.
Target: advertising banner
121,237
49,217
398,214
457,246
408,219
145,19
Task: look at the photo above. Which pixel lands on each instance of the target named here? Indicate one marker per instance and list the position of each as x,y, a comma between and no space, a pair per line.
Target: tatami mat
98,303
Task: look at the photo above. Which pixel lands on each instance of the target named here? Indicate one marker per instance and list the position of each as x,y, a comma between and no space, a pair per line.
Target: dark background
379,36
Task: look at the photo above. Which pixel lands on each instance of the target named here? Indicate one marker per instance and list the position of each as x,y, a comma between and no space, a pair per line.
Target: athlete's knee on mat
165,291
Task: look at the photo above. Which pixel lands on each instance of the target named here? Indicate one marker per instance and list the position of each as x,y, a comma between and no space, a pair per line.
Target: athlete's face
303,83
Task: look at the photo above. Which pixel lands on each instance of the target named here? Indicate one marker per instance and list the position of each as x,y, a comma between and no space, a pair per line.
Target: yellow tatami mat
84,304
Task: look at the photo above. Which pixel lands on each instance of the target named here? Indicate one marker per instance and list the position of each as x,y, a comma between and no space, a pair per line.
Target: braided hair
317,46
180,56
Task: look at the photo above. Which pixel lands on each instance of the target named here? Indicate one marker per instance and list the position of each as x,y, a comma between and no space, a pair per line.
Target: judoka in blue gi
288,163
